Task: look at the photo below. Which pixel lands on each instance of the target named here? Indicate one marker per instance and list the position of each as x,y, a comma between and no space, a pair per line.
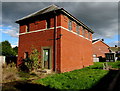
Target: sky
101,17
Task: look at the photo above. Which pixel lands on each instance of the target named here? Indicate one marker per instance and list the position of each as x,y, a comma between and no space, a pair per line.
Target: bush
33,62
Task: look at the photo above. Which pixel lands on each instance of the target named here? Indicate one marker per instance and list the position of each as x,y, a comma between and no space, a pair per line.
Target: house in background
99,49
64,42
116,51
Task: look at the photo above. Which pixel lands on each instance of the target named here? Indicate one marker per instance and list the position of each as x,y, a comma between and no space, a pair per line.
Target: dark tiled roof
42,11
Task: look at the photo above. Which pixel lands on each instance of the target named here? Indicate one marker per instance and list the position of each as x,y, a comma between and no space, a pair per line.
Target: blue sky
9,33
101,17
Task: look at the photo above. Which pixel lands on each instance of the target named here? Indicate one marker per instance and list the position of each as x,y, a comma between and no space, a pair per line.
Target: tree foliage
6,49
15,49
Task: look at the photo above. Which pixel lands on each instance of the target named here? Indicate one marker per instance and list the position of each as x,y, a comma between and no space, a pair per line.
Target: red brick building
64,42
100,48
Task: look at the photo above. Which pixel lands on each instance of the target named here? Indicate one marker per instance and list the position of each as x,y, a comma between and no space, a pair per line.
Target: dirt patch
9,73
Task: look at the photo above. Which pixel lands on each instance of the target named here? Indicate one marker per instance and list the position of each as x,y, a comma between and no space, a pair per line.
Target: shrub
33,62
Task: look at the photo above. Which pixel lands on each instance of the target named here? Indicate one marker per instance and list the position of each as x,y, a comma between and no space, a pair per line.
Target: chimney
102,39
115,45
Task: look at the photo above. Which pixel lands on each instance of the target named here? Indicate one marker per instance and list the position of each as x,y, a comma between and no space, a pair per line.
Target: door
46,58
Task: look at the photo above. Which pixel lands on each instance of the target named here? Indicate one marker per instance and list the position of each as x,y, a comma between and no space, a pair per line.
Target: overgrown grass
79,79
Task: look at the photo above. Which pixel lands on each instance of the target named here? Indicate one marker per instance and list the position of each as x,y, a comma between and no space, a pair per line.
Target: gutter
55,43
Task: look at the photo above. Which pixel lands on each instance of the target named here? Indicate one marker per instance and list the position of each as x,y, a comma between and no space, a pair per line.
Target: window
88,35
25,55
48,23
77,29
27,28
83,32
70,25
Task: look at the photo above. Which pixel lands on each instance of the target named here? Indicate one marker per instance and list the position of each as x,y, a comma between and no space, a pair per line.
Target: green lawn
99,65
78,79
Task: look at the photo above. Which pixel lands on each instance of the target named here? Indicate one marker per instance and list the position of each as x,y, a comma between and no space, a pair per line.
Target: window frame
27,28
83,32
70,25
89,35
48,23
77,29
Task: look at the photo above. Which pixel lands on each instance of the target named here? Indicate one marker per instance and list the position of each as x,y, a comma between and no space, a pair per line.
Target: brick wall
73,51
100,48
76,51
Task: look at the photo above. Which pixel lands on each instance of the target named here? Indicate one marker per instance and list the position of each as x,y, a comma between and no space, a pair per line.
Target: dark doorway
46,58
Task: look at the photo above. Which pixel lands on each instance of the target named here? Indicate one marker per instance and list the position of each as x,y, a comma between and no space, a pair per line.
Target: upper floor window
77,29
70,25
83,32
27,28
88,35
48,23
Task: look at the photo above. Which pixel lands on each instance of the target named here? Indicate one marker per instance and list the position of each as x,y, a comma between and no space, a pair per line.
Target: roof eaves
96,41
101,41
77,20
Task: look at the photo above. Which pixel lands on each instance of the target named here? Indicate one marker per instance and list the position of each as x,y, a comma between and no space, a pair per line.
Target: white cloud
14,46
1,25
12,31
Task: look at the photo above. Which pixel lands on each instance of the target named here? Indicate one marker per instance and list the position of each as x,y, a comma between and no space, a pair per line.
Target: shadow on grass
102,85
105,82
24,86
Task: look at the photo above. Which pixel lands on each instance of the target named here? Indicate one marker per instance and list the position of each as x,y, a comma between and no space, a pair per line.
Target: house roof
97,40
114,49
42,11
53,8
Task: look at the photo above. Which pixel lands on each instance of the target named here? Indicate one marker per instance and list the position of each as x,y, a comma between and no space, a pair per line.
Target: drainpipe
55,43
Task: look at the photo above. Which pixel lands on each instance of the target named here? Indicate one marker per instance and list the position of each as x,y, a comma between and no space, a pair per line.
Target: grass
78,79
82,79
99,65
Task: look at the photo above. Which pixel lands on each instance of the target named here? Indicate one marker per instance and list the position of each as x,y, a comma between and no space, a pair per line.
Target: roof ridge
39,11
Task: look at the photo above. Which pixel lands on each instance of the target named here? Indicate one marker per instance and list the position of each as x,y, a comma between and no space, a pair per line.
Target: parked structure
64,42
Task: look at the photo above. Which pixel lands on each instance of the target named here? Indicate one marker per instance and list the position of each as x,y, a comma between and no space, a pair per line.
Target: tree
6,49
15,49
